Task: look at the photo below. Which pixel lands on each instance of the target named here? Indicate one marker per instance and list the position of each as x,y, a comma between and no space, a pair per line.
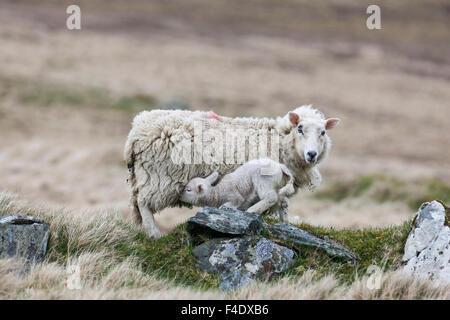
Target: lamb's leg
283,210
148,222
236,202
268,201
230,205
272,211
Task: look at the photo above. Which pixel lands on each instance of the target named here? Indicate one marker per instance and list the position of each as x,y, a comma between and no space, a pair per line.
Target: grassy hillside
117,260
170,257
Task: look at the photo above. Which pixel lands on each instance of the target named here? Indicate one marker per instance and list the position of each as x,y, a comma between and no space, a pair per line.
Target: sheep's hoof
154,234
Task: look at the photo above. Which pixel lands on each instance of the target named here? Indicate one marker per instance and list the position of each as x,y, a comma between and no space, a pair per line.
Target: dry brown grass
48,281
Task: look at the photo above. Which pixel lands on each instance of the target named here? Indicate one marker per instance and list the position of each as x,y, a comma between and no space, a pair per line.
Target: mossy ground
381,247
171,256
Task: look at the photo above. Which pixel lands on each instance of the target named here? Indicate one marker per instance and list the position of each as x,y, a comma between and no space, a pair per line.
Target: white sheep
256,186
156,180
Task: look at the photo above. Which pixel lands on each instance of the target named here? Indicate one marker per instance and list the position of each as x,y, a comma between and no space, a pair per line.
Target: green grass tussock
381,247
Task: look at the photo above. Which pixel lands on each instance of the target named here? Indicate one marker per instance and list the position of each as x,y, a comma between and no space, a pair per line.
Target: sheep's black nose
312,154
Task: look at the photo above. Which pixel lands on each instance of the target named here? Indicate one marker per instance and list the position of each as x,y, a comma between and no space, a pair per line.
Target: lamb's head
309,133
198,189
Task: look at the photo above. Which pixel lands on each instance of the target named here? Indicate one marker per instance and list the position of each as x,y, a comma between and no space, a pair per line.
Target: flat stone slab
226,221
286,231
241,261
23,236
427,249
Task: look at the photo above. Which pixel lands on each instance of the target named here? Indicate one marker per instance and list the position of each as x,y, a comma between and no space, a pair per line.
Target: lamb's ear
294,118
331,123
212,177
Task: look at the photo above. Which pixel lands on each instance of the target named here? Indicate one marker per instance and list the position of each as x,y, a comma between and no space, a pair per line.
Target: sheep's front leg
268,201
148,222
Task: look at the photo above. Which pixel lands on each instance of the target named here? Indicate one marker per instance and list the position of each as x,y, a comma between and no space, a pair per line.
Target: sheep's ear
331,123
294,118
212,177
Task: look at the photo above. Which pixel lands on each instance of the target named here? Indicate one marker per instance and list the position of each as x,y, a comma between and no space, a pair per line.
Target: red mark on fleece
212,115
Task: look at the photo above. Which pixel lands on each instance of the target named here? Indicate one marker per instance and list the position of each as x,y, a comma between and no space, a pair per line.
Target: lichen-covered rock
427,249
226,221
23,236
288,232
240,261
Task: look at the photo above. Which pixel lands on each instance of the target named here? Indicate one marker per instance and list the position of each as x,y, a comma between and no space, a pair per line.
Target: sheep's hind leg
148,222
269,200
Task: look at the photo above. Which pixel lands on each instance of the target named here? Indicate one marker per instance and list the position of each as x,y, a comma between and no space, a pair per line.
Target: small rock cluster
427,249
236,251
23,236
241,260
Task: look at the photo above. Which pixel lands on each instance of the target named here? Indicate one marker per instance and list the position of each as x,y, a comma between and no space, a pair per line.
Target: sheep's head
310,137
197,189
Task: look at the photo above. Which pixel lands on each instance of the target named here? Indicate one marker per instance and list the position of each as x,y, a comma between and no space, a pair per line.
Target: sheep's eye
300,129
188,189
322,133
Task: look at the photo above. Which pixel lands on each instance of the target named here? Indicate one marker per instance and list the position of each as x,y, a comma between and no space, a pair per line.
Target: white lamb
256,186
156,181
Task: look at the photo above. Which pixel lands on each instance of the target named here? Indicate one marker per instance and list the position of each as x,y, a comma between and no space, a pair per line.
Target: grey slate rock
226,221
427,248
23,236
288,232
240,261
